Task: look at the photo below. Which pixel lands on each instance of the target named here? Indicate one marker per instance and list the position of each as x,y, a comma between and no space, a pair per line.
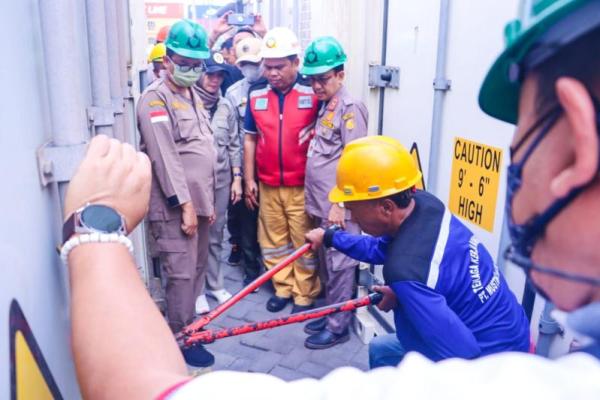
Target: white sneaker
202,306
220,295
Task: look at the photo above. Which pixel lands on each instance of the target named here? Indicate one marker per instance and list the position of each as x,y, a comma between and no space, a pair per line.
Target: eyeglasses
320,79
188,68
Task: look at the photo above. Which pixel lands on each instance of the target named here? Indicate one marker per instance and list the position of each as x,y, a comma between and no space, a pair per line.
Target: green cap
322,54
545,27
188,39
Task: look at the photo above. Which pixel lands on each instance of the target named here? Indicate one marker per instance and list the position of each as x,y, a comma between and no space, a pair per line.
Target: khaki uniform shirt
340,121
237,94
176,135
224,124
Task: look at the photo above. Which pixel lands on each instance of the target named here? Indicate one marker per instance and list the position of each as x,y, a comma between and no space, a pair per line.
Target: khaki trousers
183,260
282,224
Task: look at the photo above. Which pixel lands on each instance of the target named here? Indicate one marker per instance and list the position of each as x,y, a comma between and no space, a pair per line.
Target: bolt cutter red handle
204,320
209,336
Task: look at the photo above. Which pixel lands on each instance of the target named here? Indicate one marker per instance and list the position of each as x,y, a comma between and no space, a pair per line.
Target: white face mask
252,72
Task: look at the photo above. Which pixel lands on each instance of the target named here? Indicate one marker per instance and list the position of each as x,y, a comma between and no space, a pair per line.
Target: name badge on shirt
305,102
327,123
261,104
179,105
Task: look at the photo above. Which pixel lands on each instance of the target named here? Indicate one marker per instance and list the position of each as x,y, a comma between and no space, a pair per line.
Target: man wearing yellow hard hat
448,297
156,58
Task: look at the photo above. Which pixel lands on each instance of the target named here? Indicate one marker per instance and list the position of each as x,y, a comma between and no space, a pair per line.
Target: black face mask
524,236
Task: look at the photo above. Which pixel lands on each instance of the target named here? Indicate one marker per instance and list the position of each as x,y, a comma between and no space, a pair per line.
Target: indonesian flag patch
159,116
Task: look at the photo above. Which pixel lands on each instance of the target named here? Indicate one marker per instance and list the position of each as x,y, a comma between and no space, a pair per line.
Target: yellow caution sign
414,152
474,182
30,375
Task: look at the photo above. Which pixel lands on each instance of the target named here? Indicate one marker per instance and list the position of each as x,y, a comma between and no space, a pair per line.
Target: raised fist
113,174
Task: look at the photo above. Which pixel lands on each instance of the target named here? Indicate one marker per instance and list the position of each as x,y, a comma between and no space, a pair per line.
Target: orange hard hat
162,34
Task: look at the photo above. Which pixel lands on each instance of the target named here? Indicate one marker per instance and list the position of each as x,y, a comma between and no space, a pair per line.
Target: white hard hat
278,43
247,50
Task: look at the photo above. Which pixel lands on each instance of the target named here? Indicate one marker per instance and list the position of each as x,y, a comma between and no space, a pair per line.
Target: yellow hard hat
373,167
386,139
157,53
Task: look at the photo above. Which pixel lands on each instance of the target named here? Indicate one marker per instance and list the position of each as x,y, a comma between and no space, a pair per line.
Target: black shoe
248,280
236,255
198,356
326,339
315,326
276,303
297,308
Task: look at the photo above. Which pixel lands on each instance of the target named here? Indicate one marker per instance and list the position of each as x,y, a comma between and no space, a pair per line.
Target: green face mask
185,79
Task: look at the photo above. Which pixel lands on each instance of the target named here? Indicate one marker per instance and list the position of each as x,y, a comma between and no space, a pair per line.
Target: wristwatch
94,218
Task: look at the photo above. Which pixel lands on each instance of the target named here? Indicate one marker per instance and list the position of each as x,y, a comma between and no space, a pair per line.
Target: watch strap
68,228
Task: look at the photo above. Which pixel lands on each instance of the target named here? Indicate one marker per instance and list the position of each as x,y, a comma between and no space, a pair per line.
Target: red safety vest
280,159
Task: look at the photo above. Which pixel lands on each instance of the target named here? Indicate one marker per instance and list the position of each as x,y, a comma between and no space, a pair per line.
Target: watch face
101,218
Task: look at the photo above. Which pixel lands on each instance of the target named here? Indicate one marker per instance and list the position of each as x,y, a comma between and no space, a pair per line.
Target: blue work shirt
452,299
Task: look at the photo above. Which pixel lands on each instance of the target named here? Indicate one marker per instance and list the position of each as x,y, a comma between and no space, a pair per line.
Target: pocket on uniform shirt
221,133
325,133
187,128
325,142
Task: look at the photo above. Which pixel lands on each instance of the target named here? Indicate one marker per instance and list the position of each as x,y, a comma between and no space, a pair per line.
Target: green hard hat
545,27
188,39
322,54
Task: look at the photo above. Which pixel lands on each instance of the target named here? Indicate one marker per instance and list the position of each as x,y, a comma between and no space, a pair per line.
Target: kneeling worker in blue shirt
448,296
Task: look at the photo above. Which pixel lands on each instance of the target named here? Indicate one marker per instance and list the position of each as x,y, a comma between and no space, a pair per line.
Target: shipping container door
36,361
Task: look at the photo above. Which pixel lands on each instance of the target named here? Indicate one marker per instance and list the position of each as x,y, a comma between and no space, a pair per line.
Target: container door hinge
384,76
442,84
58,163
101,116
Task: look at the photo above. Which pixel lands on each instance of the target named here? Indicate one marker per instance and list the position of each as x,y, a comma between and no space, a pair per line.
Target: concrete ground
279,351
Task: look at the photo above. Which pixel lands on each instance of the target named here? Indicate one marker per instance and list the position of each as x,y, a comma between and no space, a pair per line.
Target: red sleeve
171,390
